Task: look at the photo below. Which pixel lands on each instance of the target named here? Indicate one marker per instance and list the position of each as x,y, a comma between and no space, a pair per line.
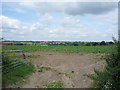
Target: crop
66,49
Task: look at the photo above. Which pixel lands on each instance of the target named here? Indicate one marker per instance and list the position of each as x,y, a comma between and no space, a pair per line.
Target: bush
109,78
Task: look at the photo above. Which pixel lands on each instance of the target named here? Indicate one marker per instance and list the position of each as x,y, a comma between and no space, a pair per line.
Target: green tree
102,43
95,43
111,43
75,44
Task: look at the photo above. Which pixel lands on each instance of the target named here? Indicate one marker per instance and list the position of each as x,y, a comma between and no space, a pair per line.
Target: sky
59,21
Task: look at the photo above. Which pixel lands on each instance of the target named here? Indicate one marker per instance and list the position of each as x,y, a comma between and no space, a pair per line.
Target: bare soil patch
68,68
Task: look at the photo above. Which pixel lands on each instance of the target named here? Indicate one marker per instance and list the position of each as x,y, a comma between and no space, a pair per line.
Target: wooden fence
11,60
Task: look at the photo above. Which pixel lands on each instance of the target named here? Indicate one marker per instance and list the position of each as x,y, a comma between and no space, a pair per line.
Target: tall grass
16,75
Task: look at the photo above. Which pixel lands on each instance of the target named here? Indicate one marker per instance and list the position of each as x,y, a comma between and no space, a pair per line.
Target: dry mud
69,68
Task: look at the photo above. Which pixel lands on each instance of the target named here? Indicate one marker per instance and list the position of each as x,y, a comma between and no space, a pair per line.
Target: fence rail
13,63
12,51
14,66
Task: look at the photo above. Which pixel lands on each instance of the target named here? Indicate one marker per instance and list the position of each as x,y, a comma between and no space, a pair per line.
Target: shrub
109,78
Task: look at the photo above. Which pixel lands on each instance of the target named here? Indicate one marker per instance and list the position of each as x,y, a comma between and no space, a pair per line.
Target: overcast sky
59,21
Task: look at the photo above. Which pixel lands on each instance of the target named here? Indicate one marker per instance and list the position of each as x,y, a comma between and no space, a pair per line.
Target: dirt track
69,68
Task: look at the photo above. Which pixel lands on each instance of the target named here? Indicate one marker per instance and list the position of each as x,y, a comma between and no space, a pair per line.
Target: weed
41,68
60,73
54,84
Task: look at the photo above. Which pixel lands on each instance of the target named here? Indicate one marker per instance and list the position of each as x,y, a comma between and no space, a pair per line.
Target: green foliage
18,74
103,43
41,68
9,58
95,43
6,59
109,78
110,43
54,84
68,49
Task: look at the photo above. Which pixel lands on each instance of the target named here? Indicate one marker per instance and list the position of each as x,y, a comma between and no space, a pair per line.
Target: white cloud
8,23
46,19
70,28
72,8
72,22
12,28
34,26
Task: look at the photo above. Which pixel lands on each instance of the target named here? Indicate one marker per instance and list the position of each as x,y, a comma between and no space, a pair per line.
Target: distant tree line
57,43
90,43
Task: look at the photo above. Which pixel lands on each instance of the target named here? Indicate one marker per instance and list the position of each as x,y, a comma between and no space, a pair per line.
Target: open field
66,69
69,44
61,66
69,49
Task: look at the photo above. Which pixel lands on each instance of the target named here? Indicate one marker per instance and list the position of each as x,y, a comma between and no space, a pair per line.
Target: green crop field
69,49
